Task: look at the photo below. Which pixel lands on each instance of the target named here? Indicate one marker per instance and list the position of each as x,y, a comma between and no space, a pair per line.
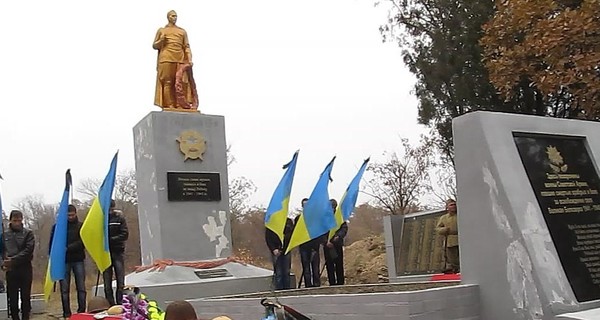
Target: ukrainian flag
317,218
94,231
348,202
57,267
277,212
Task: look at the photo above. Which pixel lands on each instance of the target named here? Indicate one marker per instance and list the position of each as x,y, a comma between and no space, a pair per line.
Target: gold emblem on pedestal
557,163
192,144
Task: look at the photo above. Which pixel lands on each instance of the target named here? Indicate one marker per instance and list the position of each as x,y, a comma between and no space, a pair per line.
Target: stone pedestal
183,202
183,209
528,213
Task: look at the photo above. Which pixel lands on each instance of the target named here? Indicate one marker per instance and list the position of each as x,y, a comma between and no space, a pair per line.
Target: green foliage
440,41
554,46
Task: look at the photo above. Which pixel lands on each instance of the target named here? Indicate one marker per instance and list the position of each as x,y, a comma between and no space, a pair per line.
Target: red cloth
446,277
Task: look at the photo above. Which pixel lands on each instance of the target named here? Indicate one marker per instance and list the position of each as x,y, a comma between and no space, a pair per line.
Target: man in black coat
334,253
74,260
117,235
19,243
281,262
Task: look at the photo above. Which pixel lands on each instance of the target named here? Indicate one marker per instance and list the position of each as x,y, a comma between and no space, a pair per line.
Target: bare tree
240,189
400,181
36,210
125,187
89,187
40,218
445,185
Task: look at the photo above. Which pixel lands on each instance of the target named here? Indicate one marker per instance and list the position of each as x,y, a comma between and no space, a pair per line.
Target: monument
414,250
175,85
182,186
529,214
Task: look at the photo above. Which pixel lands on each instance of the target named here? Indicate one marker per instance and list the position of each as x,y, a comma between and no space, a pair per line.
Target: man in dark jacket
74,260
19,243
334,253
281,262
117,235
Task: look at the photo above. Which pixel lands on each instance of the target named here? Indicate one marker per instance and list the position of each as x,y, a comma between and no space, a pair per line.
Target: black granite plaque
193,186
565,182
421,249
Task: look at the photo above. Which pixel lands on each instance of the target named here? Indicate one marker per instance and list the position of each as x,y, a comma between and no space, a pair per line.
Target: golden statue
175,86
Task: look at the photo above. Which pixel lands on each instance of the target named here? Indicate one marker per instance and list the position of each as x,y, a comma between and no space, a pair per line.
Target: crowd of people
309,255
18,244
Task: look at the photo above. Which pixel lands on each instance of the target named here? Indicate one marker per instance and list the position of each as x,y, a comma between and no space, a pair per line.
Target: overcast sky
312,75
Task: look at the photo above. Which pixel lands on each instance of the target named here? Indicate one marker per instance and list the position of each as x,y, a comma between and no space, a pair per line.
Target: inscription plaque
565,182
193,186
421,248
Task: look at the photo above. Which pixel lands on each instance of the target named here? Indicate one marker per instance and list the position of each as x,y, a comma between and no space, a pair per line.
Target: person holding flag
282,262
19,244
278,227
118,233
66,253
102,246
310,257
333,251
314,223
75,263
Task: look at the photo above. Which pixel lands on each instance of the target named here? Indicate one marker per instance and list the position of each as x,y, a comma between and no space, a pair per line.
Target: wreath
180,92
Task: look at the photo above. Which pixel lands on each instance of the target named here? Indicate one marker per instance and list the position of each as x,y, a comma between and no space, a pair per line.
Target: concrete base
449,303
181,283
38,305
410,279
422,278
582,315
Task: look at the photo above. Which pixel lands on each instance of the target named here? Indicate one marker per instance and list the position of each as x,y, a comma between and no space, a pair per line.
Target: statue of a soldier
175,87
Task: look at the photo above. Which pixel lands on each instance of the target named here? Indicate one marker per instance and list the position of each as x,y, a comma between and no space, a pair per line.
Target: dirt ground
365,261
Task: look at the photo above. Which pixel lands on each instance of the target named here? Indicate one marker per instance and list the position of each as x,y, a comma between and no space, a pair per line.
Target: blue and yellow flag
94,231
277,212
57,267
348,202
317,217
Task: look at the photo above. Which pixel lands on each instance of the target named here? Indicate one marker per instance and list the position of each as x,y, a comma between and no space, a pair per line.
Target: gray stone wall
448,303
505,246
